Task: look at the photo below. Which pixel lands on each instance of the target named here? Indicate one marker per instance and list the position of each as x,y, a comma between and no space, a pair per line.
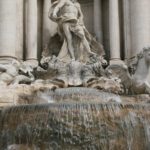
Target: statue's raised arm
56,6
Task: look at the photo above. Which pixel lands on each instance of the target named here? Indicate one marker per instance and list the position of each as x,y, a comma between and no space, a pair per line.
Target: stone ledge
46,93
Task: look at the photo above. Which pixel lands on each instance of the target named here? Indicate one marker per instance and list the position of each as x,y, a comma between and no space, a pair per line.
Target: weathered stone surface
49,93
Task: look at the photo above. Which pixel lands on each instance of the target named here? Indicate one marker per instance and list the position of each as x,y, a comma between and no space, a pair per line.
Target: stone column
32,32
127,35
114,30
98,20
46,23
20,28
7,30
140,25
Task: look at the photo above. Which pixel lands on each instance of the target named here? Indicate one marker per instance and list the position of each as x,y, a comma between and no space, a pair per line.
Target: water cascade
75,126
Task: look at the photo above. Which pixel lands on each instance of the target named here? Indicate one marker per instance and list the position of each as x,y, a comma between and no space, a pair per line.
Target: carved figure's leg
68,37
141,87
85,42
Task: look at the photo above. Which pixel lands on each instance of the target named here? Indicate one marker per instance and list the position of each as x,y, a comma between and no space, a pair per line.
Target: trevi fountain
75,99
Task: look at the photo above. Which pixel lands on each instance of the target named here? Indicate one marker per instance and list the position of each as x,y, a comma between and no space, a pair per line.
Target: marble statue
136,77
87,70
68,15
80,61
15,73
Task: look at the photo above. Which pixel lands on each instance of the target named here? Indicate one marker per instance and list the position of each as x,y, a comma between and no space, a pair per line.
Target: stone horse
138,80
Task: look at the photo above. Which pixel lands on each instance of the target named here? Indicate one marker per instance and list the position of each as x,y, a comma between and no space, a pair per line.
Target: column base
7,59
116,61
32,62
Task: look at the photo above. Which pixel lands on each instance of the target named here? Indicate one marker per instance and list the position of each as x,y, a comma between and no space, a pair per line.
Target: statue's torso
69,11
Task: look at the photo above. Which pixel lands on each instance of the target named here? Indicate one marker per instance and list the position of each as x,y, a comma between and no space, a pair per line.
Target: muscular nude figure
68,15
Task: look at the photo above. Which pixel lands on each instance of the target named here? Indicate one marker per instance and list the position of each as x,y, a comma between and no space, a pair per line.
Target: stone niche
88,12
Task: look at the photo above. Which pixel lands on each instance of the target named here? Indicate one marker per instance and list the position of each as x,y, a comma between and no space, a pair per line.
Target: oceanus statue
78,44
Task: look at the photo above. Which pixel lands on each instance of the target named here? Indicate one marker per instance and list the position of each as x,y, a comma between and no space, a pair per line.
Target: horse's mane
141,54
135,60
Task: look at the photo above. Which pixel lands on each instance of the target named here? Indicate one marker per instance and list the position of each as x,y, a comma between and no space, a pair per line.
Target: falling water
76,94
76,126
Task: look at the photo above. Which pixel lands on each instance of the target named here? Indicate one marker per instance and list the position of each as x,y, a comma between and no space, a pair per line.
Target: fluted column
114,30
7,29
98,20
140,25
20,28
127,31
32,31
46,23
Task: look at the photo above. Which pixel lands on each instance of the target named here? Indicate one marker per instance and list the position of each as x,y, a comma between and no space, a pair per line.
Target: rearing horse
138,81
141,77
